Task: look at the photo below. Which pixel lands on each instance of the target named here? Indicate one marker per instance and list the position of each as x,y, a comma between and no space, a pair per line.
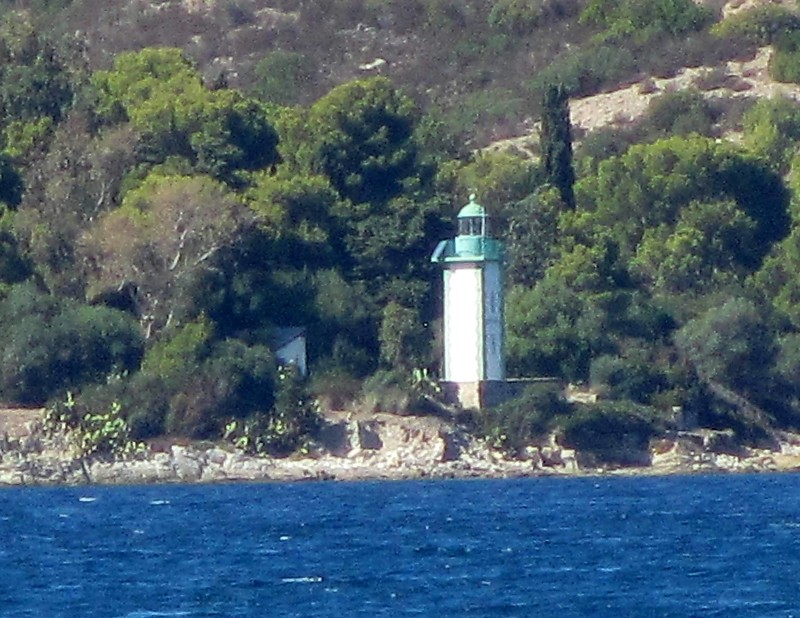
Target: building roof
284,335
472,209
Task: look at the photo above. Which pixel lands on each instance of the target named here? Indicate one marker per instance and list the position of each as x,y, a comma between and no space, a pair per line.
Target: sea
560,547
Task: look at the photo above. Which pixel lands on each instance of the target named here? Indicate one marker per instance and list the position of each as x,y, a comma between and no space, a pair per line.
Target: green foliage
365,141
778,278
294,210
144,400
53,345
235,380
615,433
760,25
499,179
649,185
556,144
531,236
731,344
678,113
14,267
523,16
552,331
219,132
583,72
710,246
784,66
787,363
287,427
524,420
283,77
645,19
634,378
34,82
772,131
173,359
403,337
165,231
390,391
101,434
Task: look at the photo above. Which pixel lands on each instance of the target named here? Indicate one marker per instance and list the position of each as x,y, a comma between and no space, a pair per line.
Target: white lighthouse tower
474,367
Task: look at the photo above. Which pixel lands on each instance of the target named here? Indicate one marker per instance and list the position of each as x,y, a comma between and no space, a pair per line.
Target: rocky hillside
479,78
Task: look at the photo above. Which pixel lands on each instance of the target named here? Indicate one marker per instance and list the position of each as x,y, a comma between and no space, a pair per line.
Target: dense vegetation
157,225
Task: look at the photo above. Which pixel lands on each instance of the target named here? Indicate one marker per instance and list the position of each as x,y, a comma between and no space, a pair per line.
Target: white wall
463,318
294,353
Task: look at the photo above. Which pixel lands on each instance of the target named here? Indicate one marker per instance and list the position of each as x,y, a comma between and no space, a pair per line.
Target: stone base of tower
490,393
477,395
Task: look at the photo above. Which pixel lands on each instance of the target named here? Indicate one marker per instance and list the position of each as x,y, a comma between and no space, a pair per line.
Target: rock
454,445
187,463
368,433
336,438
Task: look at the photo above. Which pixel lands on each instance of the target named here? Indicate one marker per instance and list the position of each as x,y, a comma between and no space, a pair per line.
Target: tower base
476,395
489,393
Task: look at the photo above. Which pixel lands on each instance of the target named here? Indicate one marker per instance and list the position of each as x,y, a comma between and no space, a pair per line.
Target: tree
531,236
711,245
364,142
772,130
164,230
651,184
778,278
556,143
218,132
77,180
731,344
51,345
499,179
34,81
404,344
295,211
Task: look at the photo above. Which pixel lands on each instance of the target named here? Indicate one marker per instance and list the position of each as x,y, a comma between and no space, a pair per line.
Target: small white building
289,347
472,263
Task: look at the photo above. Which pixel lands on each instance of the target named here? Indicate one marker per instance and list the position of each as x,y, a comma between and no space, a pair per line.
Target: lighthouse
472,264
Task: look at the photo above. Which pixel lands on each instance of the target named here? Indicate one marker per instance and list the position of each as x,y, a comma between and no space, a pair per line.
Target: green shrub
645,19
523,16
584,72
104,433
524,420
51,345
633,379
282,76
784,66
388,391
236,380
179,355
761,25
289,426
678,113
772,131
144,400
616,433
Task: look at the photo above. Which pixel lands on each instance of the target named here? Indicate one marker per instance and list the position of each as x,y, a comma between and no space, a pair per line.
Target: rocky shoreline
378,447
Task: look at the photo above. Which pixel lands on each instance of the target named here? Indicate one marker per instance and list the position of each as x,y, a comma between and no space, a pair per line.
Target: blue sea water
675,546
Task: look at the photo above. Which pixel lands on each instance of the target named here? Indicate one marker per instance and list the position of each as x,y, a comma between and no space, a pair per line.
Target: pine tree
556,143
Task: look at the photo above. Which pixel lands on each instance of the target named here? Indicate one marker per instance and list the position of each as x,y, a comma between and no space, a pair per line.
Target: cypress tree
556,143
